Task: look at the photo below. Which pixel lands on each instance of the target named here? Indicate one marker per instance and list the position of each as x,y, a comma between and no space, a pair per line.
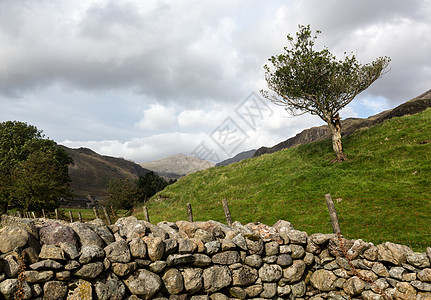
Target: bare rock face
143,283
55,233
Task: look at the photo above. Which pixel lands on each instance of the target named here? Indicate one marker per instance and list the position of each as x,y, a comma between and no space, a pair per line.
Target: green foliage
305,80
382,193
123,194
149,184
34,170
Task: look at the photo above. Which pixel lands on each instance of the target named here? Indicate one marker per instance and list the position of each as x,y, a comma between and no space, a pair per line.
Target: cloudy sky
147,79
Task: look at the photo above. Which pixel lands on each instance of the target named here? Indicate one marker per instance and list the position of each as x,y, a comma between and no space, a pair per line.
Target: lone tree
304,80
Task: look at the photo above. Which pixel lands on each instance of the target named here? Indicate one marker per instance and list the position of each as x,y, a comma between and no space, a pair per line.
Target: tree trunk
335,129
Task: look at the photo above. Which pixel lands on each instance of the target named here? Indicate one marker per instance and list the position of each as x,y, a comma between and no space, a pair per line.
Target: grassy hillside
381,193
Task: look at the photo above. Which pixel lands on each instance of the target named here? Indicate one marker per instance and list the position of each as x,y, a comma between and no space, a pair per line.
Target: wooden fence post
18,214
70,216
190,212
227,212
56,213
332,214
43,213
146,215
33,215
79,216
108,219
96,213
113,213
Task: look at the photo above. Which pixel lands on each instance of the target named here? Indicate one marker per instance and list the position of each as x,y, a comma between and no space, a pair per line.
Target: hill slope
91,172
176,166
389,164
351,125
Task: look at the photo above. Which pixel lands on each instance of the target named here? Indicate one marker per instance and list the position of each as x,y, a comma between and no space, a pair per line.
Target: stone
239,240
203,235
369,295
379,285
216,278
404,291
200,246
295,236
170,228
284,260
193,280
269,290
12,237
254,290
254,244
180,259
154,230
102,230
70,250
171,246
36,290
227,245
157,266
393,253
87,236
91,253
237,292
321,239
295,271
187,246
122,270
425,275
226,258
299,289
201,260
109,287
372,253
283,224
130,227
244,276
187,227
138,248
308,259
419,260
421,286
197,297
173,281
283,291
397,272
90,271
118,252
143,283
11,266
155,248
63,275
47,264
272,248
254,261
54,290
409,276
51,252
218,296
82,290
380,269
55,233
354,286
297,251
212,247
323,280
72,265
270,272
32,276
358,247
9,287
367,275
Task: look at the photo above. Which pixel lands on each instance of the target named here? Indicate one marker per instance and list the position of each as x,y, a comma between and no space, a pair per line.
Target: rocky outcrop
134,259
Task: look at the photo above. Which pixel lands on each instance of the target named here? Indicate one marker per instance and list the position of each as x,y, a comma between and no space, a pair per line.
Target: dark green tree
149,184
123,194
33,169
304,80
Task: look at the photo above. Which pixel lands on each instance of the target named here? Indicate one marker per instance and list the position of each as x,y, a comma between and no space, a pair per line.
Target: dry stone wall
133,259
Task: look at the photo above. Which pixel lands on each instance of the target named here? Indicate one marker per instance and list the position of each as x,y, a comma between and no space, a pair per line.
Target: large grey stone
47,264
254,244
212,247
102,230
90,271
12,237
11,266
295,271
239,240
138,248
51,252
419,260
173,281
91,253
121,269
216,277
155,248
193,280
180,259
87,236
55,233
226,258
270,272
253,260
70,250
54,290
109,287
299,289
130,227
425,275
354,286
186,246
393,253
143,283
9,287
201,260
32,276
118,252
269,290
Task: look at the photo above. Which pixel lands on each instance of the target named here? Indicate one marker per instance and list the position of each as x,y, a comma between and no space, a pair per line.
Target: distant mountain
176,166
351,125
91,172
237,158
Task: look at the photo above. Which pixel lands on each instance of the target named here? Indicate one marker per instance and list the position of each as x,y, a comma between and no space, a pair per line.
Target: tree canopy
33,169
304,80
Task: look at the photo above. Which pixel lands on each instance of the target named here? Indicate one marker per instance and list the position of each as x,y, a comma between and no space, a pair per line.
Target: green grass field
382,193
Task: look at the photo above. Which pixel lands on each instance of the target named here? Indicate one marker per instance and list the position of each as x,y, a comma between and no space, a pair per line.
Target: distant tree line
125,193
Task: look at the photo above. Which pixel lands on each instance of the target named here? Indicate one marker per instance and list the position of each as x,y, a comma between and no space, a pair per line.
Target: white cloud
158,118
